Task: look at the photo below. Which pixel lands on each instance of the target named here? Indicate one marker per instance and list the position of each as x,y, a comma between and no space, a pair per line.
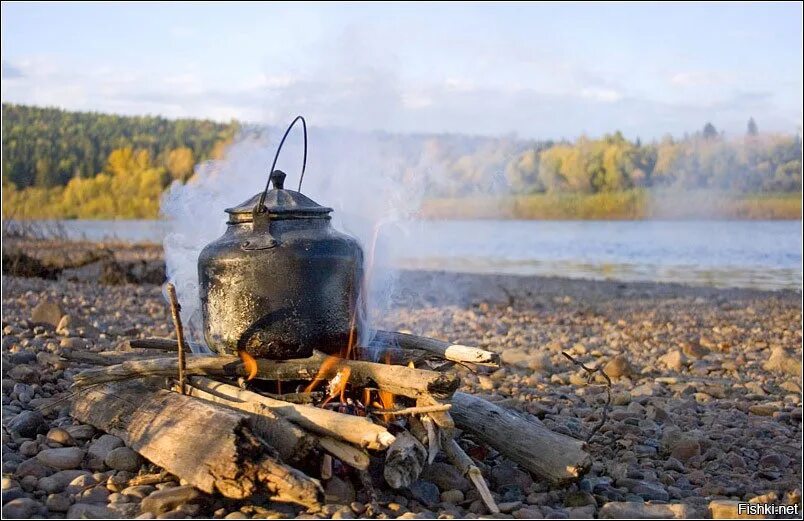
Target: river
751,254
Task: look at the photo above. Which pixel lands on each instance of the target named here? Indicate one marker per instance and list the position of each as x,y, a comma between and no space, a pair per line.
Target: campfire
302,389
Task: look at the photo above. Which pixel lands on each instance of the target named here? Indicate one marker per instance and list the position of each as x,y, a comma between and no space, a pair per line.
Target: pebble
63,458
337,490
123,458
60,436
639,510
22,508
507,474
453,496
617,367
101,447
60,480
446,477
47,311
645,489
89,511
163,501
58,502
424,492
28,424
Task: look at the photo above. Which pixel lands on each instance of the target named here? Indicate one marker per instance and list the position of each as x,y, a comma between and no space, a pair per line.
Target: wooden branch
404,461
464,463
348,454
553,456
399,380
175,310
395,379
209,446
104,357
352,429
165,344
445,350
407,411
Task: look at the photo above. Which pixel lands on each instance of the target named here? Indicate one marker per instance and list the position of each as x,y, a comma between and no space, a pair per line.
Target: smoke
374,183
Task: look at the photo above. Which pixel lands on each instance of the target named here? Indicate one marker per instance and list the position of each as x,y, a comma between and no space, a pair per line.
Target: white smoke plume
370,180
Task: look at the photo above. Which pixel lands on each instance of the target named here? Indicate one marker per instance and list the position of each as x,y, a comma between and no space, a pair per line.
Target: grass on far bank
624,205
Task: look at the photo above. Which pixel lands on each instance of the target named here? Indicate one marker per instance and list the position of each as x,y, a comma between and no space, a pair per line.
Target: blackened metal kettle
281,281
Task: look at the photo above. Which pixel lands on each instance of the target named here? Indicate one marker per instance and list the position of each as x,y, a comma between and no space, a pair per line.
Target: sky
543,71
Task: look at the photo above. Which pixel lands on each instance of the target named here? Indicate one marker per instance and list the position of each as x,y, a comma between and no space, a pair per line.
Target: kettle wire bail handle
261,205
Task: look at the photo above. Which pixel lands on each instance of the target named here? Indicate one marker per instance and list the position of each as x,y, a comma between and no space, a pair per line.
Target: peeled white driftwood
352,429
550,455
445,350
211,447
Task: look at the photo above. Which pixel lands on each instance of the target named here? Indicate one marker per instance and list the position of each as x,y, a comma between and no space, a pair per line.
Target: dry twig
590,375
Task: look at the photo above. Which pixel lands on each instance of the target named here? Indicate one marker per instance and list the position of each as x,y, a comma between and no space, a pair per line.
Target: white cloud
698,78
602,95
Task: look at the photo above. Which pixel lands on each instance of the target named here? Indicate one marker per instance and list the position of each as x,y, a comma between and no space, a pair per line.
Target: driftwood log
400,347
291,441
352,429
404,460
558,458
211,447
445,350
404,381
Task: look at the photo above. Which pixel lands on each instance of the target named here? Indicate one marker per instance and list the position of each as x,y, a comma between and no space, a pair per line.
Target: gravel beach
706,399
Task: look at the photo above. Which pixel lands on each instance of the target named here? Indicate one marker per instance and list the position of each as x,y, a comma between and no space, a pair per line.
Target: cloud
601,94
10,71
363,95
698,78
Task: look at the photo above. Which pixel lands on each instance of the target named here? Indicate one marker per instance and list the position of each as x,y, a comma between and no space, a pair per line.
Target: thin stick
414,410
175,309
464,463
590,374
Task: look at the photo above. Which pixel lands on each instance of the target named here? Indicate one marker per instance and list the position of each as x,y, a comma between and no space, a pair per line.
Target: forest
60,164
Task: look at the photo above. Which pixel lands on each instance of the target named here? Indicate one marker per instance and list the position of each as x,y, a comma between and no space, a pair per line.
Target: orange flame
326,367
249,363
387,397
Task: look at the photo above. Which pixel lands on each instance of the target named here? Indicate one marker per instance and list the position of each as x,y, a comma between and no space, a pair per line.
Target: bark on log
404,461
405,381
352,429
445,350
291,441
553,456
211,447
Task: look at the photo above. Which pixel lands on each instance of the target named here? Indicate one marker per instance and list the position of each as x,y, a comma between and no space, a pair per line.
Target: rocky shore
706,400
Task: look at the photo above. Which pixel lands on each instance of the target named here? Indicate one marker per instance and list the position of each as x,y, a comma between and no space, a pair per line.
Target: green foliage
86,165
46,147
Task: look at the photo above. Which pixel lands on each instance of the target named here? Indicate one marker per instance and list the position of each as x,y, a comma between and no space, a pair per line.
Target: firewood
291,441
558,458
105,358
352,429
209,446
404,461
445,350
164,344
464,463
395,379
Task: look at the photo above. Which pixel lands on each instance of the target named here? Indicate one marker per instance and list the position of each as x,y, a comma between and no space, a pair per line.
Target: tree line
60,164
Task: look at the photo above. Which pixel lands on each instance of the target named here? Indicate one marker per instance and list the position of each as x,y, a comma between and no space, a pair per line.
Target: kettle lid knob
277,178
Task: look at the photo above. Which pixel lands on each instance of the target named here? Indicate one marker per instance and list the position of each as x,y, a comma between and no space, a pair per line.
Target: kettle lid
279,203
